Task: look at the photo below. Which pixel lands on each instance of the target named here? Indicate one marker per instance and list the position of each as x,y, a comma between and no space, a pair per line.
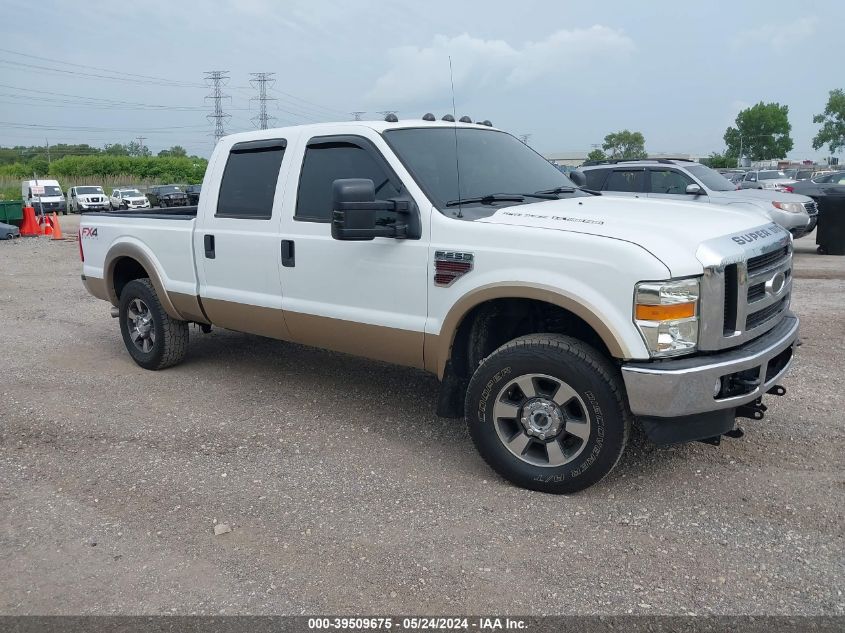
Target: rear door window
630,180
249,180
595,178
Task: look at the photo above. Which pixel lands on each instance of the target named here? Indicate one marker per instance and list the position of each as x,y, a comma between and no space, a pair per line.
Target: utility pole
141,140
217,79
356,116
47,142
260,81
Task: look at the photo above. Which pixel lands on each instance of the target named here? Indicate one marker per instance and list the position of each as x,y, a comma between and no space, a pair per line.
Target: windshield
490,162
770,175
803,175
712,179
49,190
130,193
87,190
170,189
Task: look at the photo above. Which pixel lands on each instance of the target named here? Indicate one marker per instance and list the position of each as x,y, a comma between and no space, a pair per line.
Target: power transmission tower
261,81
357,114
141,140
524,138
217,79
386,112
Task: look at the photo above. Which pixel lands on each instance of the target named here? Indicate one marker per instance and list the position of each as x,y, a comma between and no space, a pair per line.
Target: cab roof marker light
428,116
448,117
465,119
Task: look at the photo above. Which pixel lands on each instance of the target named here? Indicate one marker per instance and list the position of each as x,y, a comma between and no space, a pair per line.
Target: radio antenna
455,124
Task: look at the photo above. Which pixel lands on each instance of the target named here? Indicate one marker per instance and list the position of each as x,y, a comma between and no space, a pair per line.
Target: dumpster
11,212
830,234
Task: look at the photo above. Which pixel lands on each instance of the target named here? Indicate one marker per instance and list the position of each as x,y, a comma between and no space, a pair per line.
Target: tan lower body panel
392,345
96,287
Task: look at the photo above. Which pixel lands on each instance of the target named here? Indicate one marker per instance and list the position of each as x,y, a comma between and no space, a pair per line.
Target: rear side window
249,180
595,178
625,180
326,162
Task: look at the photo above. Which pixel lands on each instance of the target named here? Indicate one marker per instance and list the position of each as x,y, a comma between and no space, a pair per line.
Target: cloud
417,73
779,37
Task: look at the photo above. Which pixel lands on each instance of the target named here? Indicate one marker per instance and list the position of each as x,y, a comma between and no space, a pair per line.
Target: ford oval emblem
776,284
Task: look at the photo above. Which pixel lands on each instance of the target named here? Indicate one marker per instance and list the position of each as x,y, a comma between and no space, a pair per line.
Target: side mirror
354,211
578,178
694,190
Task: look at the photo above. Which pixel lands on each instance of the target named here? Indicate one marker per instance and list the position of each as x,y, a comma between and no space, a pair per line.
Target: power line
96,76
261,82
119,72
356,116
218,79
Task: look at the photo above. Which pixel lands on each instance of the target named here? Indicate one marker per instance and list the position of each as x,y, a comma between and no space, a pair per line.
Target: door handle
208,242
288,254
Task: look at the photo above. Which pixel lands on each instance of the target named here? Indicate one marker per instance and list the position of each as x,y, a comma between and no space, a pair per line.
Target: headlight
666,313
791,207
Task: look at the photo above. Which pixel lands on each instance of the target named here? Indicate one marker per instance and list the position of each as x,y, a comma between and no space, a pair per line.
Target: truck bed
158,213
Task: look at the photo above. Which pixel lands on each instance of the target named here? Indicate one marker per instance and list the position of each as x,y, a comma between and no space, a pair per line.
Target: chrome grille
767,260
746,286
756,319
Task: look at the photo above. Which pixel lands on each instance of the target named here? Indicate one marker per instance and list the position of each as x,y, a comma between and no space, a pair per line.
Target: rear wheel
547,413
152,337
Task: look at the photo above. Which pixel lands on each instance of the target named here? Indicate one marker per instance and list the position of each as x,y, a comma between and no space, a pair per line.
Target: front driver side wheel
547,412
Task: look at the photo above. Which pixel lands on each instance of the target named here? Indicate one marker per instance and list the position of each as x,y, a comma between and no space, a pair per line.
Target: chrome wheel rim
139,321
541,420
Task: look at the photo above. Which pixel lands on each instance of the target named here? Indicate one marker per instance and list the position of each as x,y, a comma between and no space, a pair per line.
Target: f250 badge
88,231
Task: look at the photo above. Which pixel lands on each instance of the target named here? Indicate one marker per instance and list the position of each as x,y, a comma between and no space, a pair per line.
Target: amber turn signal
667,312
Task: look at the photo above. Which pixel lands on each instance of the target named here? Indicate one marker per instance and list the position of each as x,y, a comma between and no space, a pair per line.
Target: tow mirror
355,214
578,178
694,190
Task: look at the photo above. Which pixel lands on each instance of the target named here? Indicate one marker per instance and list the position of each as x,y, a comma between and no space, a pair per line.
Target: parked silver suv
678,178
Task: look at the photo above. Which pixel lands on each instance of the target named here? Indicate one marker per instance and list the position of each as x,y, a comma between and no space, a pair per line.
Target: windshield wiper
556,190
488,199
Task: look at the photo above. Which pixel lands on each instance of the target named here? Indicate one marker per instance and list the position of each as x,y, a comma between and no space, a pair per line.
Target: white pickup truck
553,317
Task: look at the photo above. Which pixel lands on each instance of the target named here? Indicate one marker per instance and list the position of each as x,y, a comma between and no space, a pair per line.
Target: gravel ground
345,493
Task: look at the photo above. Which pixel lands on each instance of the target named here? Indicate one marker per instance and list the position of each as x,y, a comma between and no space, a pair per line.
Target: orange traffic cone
29,226
47,227
57,228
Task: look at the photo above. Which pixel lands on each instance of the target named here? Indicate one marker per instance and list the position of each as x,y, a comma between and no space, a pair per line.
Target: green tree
624,144
116,149
720,161
177,151
833,120
761,132
596,154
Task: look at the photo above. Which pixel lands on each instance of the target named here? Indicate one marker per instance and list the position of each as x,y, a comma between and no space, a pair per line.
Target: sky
564,73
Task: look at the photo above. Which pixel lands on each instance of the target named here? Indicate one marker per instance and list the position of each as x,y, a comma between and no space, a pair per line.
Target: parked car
9,231
128,198
688,181
193,193
167,196
87,198
44,195
767,179
833,177
550,314
798,174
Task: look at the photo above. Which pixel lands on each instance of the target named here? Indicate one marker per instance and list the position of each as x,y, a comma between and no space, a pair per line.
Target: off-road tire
171,335
589,373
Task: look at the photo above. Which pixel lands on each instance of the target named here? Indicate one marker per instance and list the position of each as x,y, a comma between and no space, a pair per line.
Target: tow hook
754,410
777,390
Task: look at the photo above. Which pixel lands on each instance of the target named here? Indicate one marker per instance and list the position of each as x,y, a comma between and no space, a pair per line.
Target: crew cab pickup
553,317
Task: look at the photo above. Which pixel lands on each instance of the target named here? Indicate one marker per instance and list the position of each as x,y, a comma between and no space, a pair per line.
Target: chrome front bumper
677,388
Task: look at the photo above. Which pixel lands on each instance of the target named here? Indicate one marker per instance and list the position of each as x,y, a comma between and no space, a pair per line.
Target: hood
671,231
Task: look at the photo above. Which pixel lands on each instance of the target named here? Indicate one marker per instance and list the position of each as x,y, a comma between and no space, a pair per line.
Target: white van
44,195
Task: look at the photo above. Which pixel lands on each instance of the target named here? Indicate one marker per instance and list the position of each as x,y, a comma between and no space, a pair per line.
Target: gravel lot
345,493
